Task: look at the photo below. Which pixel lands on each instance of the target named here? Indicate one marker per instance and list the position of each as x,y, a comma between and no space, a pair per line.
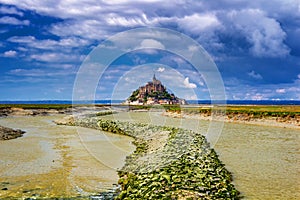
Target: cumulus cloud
10,53
229,30
54,57
198,23
187,83
242,91
161,69
126,22
255,75
99,20
49,44
150,43
263,33
13,21
10,10
280,91
257,97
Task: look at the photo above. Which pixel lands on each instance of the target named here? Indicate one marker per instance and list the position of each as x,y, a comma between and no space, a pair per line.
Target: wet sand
59,161
270,121
264,160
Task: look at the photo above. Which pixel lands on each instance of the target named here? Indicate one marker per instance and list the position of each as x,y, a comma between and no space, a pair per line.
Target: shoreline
239,118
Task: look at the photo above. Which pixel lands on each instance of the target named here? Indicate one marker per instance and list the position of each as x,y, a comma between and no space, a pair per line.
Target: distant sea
233,102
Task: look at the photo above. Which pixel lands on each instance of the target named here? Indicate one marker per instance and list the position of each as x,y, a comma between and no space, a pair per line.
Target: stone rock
8,133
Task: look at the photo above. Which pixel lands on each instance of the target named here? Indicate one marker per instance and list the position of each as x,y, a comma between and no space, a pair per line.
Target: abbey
154,92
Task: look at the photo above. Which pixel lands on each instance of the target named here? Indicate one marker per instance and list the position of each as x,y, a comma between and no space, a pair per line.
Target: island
154,92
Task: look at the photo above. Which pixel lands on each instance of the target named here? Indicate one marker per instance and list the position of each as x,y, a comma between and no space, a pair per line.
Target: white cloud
13,21
201,83
151,43
191,97
198,23
25,72
10,53
115,20
259,27
55,57
40,72
257,96
255,75
132,78
264,33
85,28
98,20
281,91
161,69
192,49
187,83
48,44
10,10
59,90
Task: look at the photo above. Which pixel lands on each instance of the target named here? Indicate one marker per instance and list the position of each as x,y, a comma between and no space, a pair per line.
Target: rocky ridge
180,166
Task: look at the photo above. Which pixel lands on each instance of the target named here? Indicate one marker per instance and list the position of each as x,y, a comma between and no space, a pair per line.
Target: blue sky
255,45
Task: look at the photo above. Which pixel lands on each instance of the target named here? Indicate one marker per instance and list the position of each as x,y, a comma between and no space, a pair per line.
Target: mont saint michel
154,92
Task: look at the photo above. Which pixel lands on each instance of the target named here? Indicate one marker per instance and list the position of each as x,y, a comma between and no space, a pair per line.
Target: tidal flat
52,161
264,160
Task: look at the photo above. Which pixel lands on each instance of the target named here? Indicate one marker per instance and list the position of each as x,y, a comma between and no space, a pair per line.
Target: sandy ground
254,121
58,161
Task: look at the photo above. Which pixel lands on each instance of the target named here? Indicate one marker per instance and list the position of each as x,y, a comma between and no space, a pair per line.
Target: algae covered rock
182,165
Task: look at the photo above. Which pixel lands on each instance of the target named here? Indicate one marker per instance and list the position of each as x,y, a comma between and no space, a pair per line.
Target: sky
254,45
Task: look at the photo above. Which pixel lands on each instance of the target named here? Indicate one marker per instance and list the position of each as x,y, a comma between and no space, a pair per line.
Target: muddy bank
282,121
4,112
8,133
44,110
168,163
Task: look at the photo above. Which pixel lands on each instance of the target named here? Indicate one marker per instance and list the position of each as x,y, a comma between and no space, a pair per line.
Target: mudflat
58,161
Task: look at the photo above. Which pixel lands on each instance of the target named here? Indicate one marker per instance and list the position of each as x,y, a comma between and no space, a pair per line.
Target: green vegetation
183,167
167,107
36,106
252,111
48,106
160,95
133,96
110,112
255,111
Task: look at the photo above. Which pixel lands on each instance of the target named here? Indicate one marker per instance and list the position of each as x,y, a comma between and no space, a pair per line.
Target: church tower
155,81
154,78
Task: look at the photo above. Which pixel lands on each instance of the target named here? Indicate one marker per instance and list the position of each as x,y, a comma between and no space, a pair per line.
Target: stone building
154,92
151,87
